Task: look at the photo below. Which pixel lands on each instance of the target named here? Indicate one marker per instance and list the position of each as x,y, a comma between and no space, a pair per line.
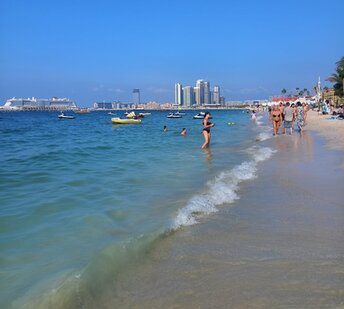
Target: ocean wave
222,189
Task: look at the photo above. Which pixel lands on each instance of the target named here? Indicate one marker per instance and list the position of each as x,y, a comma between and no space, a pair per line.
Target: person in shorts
289,116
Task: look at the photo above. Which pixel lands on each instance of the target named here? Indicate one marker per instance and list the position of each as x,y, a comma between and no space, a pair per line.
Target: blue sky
100,50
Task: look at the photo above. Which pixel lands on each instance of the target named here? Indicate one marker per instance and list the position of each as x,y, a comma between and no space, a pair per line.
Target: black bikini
207,129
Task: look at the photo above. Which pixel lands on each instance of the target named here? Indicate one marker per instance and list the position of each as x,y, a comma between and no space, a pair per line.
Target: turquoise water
82,199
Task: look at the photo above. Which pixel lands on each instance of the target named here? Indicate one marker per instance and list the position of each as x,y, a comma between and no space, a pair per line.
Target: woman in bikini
206,130
276,118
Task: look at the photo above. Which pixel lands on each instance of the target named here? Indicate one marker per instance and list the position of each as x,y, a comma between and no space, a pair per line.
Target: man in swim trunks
288,118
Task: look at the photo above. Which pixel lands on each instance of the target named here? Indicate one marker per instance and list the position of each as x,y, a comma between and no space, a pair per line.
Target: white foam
222,189
258,120
263,136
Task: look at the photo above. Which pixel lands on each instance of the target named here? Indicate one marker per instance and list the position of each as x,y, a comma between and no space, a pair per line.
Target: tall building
197,95
207,94
200,85
216,95
178,94
188,96
136,96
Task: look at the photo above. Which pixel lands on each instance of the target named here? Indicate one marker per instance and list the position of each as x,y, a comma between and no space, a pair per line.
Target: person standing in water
206,130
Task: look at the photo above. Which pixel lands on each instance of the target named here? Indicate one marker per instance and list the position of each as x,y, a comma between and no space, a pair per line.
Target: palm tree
338,78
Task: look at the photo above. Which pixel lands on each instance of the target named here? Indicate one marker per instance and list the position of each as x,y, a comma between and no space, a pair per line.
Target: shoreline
278,246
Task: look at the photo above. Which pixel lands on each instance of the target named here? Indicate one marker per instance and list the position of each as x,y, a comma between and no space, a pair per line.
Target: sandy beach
279,246
331,130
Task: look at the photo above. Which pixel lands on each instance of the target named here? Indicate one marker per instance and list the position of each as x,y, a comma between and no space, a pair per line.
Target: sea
83,200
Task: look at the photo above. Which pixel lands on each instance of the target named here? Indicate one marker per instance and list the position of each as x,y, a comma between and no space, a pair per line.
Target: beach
255,221
331,130
278,246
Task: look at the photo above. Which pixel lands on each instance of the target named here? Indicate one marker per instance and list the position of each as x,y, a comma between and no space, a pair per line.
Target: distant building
222,101
188,96
216,95
207,93
178,94
104,105
197,95
200,85
136,96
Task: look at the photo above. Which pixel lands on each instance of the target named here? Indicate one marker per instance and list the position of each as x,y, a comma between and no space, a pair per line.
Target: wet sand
279,246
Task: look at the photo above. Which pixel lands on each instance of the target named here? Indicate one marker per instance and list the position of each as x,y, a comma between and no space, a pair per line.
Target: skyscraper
197,95
200,85
136,96
216,95
207,94
188,96
178,94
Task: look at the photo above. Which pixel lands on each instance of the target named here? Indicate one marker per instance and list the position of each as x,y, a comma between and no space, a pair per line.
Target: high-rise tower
136,96
178,94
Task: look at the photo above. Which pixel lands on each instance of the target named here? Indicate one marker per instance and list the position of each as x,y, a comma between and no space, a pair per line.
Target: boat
63,116
200,115
117,120
179,113
132,115
174,115
111,113
144,114
39,104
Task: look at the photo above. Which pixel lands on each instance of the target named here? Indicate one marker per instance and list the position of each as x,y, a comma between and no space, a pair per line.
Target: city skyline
102,51
199,95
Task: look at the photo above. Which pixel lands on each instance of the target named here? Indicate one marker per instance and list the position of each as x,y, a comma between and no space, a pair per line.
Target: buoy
231,123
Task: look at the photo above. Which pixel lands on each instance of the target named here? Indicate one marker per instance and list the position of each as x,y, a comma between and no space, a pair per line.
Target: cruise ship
39,104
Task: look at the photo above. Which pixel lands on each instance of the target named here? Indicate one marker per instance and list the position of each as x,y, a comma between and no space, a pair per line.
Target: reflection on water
208,154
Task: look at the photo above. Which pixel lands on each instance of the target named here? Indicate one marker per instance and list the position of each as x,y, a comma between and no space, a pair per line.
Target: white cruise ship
34,103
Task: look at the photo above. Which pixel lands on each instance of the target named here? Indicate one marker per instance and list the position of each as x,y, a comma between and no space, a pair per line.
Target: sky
92,51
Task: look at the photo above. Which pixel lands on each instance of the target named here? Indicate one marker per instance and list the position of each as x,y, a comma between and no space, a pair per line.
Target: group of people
206,130
288,115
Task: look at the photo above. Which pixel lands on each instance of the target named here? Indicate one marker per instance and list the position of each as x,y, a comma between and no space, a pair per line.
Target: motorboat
174,115
111,113
125,120
179,113
200,115
63,116
144,114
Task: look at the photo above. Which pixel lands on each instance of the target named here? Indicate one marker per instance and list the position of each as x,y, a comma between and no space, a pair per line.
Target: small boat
63,116
111,113
144,114
125,121
174,115
179,113
199,116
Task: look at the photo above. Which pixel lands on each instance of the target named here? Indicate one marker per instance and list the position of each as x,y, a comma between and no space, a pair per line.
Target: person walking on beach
206,130
276,118
288,118
300,116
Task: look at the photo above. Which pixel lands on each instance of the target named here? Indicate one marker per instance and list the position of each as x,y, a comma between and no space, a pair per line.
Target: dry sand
331,130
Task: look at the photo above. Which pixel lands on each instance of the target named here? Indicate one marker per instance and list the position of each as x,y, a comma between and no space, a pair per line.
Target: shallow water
82,200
